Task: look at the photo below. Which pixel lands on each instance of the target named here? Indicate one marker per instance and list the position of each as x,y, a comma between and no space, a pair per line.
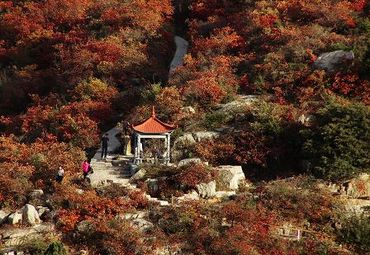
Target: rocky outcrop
205,135
17,236
229,177
334,61
207,190
238,105
358,187
30,215
184,140
189,161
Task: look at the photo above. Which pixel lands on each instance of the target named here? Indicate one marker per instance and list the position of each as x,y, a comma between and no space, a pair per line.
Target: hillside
271,108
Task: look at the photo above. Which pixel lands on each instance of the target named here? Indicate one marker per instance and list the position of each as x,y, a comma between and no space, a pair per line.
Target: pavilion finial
153,111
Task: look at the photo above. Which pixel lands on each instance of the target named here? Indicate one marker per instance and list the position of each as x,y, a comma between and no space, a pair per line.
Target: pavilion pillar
138,148
168,156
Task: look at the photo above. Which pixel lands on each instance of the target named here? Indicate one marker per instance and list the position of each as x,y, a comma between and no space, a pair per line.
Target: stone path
181,50
114,169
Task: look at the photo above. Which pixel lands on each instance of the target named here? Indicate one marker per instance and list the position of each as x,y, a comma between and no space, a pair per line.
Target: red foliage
194,174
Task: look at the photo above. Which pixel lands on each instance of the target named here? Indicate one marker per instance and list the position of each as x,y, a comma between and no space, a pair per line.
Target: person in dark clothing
60,175
104,143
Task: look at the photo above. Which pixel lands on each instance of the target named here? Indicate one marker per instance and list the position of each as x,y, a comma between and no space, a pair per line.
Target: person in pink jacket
85,168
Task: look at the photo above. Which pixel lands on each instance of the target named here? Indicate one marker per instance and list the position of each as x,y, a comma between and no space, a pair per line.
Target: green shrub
56,248
216,119
35,246
356,231
338,144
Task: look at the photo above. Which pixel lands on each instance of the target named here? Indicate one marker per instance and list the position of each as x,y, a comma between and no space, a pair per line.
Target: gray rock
17,236
30,215
152,186
230,176
3,216
42,209
80,191
333,61
185,139
187,110
188,197
207,190
133,168
84,226
188,161
205,135
136,215
141,224
238,105
37,193
138,175
15,218
225,194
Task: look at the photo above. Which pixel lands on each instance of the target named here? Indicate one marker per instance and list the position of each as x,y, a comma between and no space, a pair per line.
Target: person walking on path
85,168
60,175
104,144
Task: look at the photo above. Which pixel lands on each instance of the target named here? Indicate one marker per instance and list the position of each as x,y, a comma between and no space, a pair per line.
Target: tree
338,144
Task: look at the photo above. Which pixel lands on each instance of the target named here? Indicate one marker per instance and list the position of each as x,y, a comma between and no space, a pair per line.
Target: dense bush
339,142
355,230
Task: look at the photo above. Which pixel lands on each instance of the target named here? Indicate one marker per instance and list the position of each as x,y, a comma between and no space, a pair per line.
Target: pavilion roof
153,126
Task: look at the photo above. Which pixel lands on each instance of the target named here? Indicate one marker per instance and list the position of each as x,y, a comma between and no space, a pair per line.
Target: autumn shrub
193,174
169,102
355,230
338,144
292,199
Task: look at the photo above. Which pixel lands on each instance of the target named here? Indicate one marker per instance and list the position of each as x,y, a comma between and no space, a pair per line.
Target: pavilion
152,128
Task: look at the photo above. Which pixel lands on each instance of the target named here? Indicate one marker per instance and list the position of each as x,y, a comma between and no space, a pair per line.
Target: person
60,175
104,143
85,168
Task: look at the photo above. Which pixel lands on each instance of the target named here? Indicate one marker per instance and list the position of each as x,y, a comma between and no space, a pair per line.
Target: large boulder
335,60
15,218
30,215
230,177
207,190
138,175
205,135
